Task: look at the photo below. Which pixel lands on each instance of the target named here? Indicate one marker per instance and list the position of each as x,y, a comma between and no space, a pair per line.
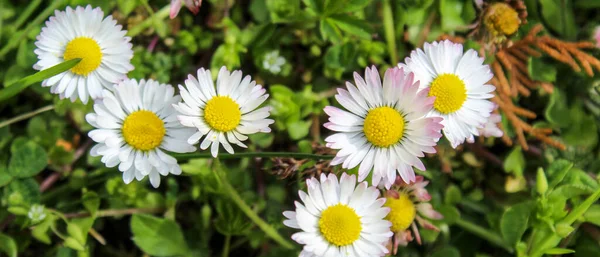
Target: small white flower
273,62
223,115
340,219
135,122
458,82
384,128
104,50
36,213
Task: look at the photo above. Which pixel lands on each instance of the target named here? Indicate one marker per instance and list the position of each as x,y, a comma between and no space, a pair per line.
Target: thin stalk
33,24
187,156
226,246
25,116
114,212
237,199
160,15
389,31
484,233
24,16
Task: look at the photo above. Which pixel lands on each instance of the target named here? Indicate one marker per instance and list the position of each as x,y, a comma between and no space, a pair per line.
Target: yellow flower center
402,212
384,126
340,225
450,93
88,50
222,113
143,130
501,19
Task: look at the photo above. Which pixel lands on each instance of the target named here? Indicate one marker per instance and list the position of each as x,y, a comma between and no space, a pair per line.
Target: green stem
226,246
237,199
20,36
138,28
389,31
24,16
484,233
25,116
187,156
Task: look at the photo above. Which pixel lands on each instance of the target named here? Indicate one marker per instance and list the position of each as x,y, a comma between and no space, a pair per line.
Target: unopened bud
541,182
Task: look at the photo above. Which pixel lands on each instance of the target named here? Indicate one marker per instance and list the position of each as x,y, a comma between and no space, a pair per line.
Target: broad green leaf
74,244
557,172
453,195
515,162
329,31
158,237
447,251
592,215
8,245
353,26
571,190
451,11
27,190
450,213
298,129
315,5
559,16
126,6
557,112
514,222
5,177
27,160
25,82
582,130
91,202
75,232
354,5
40,231
83,226
541,71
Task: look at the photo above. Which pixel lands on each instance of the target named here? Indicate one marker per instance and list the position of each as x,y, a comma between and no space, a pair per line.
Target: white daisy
226,114
135,123
385,128
104,50
457,81
340,219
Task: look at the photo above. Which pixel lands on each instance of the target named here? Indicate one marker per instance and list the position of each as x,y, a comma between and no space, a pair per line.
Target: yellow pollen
402,212
501,19
222,113
143,130
384,126
450,93
88,50
340,225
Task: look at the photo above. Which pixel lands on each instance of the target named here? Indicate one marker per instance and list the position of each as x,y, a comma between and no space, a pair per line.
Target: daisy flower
135,123
490,128
340,219
407,203
385,128
457,81
84,33
225,114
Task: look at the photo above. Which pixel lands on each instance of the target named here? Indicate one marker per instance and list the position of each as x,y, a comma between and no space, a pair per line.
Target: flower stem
389,31
115,212
187,156
25,116
226,246
237,199
484,233
160,15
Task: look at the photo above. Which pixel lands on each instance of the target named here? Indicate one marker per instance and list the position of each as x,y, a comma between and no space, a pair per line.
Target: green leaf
515,162
8,245
74,244
450,213
514,222
91,202
231,221
25,82
40,231
557,172
298,129
352,26
447,251
558,251
451,11
540,70
329,31
27,190
592,215
315,5
582,130
75,232
126,6
158,237
559,16
571,190
5,177
27,160
355,5
557,112
453,195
